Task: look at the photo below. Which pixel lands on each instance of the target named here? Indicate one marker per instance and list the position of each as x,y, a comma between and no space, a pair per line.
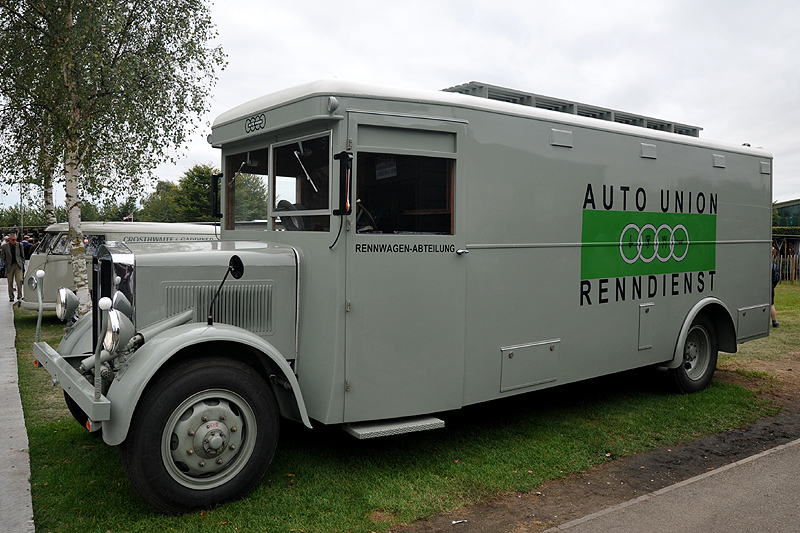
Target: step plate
384,428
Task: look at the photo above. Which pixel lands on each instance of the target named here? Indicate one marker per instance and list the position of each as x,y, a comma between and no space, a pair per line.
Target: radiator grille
246,305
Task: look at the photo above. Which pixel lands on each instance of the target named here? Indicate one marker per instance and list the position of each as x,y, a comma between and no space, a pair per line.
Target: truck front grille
247,305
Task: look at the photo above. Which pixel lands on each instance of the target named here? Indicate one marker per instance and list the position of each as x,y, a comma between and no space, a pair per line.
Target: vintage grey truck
423,251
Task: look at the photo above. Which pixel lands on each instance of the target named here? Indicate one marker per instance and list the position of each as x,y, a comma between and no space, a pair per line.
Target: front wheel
699,357
204,432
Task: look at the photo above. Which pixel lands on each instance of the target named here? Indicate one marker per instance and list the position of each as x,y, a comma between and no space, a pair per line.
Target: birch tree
117,85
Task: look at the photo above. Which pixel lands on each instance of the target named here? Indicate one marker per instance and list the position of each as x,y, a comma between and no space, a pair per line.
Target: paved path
16,510
760,493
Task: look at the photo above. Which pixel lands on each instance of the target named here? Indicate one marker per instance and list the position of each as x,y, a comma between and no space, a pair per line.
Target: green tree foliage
124,81
161,205
194,200
251,197
190,199
36,215
111,210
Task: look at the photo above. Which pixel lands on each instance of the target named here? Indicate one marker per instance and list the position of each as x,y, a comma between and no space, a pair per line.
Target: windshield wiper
297,155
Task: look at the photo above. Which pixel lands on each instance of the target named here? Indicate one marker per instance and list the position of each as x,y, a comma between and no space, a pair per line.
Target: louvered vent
504,94
247,305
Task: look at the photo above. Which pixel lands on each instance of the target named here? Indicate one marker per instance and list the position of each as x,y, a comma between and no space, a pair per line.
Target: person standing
13,257
776,278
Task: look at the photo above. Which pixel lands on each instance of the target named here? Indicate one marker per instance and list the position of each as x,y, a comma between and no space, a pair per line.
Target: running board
384,428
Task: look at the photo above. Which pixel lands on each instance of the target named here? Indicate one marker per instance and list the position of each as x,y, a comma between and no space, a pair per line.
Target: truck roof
486,97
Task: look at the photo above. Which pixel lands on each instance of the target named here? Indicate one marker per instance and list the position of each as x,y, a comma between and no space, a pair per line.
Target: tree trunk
78,253
49,204
72,184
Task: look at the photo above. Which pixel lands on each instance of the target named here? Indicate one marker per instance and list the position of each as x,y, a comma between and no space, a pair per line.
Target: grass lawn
324,480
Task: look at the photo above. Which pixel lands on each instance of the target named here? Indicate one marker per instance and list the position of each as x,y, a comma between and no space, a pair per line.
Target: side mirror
215,203
345,184
236,267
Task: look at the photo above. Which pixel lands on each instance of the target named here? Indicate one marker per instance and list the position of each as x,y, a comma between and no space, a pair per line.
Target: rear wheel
699,357
203,433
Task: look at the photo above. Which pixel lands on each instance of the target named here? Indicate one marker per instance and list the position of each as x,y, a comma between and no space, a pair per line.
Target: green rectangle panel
624,243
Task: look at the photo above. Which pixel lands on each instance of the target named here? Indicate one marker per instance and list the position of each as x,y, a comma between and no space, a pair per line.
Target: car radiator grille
246,305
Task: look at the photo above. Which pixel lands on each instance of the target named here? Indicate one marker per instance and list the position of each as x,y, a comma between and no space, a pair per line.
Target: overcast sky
730,67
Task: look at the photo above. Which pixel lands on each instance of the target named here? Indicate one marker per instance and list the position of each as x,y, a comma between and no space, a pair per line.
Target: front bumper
34,306
73,383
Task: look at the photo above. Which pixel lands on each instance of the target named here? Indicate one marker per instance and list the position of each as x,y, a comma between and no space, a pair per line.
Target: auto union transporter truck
423,251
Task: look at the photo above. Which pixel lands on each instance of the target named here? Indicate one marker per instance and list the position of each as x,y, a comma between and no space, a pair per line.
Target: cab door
406,264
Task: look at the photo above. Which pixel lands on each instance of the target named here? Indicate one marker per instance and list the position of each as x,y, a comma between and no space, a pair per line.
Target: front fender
127,387
78,338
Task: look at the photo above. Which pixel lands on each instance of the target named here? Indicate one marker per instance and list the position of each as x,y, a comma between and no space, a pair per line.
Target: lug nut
233,429
204,418
222,417
219,461
191,433
201,464
190,452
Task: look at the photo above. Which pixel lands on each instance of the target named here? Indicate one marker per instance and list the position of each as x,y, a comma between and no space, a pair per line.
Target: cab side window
404,194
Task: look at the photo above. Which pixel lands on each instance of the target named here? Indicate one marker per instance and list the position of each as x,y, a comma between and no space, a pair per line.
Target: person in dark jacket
13,256
776,278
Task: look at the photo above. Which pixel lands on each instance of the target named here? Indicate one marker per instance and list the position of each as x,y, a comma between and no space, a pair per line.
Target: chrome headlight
118,332
33,281
66,304
121,303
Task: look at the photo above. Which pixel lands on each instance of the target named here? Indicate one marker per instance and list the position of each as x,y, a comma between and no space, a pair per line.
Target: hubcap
696,353
208,439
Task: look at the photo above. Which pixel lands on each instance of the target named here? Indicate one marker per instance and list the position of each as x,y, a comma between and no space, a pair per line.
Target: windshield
62,246
263,186
47,242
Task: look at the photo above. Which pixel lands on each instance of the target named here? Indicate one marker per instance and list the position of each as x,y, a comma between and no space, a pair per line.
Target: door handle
462,251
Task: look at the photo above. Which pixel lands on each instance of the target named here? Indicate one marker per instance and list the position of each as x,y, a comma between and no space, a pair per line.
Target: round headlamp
66,304
118,331
121,303
33,281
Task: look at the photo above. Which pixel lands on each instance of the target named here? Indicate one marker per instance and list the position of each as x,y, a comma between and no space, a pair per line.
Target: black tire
699,357
204,433
76,412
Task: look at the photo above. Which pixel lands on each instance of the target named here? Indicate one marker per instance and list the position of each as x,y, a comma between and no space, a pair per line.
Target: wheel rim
696,353
208,439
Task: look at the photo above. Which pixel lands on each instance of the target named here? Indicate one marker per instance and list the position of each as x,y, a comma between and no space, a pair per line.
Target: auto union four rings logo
255,123
647,243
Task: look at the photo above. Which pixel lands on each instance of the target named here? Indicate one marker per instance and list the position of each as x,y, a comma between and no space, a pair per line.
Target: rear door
405,281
